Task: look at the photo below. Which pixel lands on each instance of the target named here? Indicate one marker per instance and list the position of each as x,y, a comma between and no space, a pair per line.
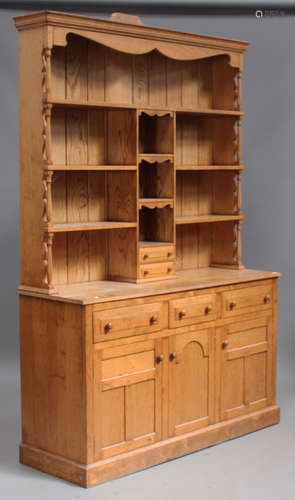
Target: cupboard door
191,381
127,397
246,366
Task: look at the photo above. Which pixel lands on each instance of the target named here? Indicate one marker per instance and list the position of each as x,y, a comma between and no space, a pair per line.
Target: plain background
262,464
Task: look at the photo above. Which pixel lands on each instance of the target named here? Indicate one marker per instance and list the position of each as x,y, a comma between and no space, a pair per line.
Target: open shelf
155,202
199,219
143,244
156,134
98,168
87,137
88,226
208,167
206,140
156,224
207,196
112,105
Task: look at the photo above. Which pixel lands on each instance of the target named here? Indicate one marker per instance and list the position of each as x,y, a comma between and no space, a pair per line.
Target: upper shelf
209,167
88,226
71,168
108,105
198,219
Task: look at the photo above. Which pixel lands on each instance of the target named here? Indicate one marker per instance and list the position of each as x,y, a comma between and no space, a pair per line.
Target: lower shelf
198,219
156,453
88,226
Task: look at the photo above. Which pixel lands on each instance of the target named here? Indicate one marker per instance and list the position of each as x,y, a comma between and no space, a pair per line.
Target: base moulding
162,451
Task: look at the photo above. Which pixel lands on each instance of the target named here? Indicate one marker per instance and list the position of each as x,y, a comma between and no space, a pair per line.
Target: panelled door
246,366
191,381
127,397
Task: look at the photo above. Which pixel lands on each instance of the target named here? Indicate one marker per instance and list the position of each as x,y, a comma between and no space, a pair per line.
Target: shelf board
209,167
155,202
69,168
88,226
156,158
108,105
199,219
154,243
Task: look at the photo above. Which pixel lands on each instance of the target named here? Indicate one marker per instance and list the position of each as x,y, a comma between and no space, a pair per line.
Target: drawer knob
145,256
208,309
172,356
181,314
224,344
266,299
159,358
107,327
232,305
169,269
169,254
153,319
145,272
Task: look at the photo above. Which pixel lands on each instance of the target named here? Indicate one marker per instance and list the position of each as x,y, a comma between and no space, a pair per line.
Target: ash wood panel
76,69
31,188
246,368
53,418
118,77
191,382
96,56
140,80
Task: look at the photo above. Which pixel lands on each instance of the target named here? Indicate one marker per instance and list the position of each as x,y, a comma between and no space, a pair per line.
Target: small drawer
192,310
162,269
128,321
246,300
158,253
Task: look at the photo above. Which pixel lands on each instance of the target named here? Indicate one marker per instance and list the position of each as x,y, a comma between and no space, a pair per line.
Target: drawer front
128,321
161,253
192,310
246,300
162,269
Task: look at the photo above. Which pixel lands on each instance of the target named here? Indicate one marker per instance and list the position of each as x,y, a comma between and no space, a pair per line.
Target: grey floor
260,465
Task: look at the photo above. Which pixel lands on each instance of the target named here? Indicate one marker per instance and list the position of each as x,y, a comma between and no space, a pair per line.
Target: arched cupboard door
191,388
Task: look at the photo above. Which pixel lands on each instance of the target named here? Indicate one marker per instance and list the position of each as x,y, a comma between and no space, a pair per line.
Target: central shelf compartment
156,225
156,133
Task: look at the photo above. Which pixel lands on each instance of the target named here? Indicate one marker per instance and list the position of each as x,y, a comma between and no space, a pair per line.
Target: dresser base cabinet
115,386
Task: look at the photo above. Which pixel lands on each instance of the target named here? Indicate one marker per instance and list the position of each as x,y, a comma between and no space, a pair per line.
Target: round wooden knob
169,269
208,309
107,327
159,358
232,305
145,272
181,314
153,319
145,256
266,299
224,344
172,356
169,254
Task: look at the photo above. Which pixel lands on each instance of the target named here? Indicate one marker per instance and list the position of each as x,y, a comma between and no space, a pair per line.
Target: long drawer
188,311
252,298
128,321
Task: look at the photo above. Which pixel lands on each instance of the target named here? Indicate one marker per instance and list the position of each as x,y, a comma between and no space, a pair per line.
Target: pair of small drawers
147,318
157,261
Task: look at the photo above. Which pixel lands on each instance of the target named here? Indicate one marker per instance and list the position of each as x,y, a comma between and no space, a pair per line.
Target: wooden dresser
143,337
